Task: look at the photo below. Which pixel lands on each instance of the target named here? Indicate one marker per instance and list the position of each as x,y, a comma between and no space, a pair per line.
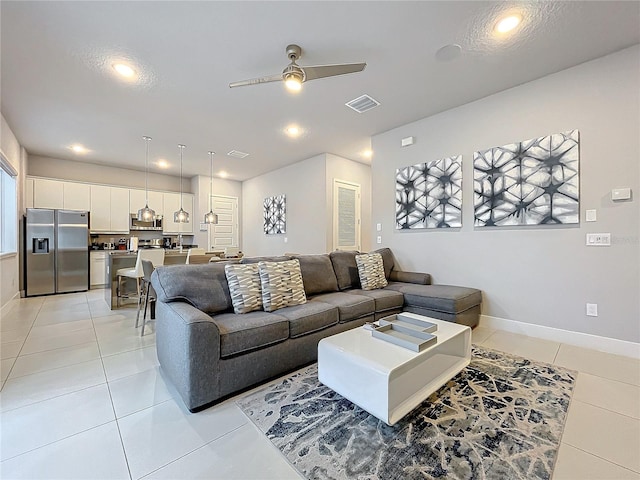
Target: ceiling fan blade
321,71
256,81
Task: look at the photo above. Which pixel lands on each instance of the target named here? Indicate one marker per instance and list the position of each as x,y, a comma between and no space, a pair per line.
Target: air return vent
362,103
237,154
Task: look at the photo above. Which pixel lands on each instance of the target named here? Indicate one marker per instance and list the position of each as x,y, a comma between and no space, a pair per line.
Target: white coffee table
387,380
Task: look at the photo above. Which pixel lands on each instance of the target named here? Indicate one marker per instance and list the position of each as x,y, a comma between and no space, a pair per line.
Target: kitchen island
118,259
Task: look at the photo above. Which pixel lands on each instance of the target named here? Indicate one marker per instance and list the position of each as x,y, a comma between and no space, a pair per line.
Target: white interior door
225,233
346,215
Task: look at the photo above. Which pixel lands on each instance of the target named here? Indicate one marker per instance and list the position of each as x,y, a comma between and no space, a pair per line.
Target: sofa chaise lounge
208,352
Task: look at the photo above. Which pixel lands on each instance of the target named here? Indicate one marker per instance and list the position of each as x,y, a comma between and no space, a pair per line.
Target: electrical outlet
286,239
592,309
379,239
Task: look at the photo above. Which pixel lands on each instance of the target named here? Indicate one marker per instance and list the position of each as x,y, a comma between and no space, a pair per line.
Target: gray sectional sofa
208,352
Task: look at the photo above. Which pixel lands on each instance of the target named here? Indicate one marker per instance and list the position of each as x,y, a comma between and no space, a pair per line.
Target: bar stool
154,255
194,251
147,291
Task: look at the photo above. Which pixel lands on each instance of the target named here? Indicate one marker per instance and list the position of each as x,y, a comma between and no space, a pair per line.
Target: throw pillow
371,271
244,287
281,284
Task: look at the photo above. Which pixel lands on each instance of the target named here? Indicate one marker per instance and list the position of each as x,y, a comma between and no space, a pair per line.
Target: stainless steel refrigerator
56,251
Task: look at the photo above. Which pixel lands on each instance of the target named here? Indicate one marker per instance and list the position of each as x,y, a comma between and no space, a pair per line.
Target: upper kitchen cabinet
137,200
28,195
48,193
76,196
171,204
109,209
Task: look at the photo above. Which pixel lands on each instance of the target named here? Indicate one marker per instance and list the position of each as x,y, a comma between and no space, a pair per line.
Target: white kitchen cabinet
137,200
28,196
171,204
120,218
109,209
48,193
97,267
76,196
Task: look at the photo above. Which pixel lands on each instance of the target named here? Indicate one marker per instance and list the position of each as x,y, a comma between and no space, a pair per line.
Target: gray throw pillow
281,284
244,287
371,271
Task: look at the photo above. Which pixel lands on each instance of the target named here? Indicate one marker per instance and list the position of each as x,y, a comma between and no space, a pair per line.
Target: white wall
9,263
40,166
540,275
339,168
304,185
308,186
200,187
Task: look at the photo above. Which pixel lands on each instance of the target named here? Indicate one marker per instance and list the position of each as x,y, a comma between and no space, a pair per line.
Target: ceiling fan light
146,214
211,218
293,83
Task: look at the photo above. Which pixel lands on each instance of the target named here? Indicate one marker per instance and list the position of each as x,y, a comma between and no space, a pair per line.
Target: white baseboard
9,305
578,339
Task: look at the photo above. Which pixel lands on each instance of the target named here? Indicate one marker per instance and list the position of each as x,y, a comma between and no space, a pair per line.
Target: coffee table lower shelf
387,380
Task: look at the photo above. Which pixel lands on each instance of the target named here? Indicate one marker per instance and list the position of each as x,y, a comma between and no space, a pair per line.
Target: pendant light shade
146,214
181,216
211,217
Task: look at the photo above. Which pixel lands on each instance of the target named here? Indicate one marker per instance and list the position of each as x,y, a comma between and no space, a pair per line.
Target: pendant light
181,216
211,217
146,214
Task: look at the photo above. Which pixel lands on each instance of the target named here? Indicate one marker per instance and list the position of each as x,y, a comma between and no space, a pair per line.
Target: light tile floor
82,397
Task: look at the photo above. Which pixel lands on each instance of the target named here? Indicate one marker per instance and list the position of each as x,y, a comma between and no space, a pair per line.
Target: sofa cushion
441,298
384,299
350,307
371,271
203,286
317,274
310,317
387,260
241,333
244,287
281,258
281,284
345,268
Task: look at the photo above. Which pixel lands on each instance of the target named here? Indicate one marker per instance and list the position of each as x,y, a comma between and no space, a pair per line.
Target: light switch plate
378,227
598,240
591,216
592,309
621,194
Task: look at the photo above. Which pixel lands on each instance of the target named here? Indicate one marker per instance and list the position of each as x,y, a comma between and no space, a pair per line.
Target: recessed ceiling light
124,70
508,23
367,153
77,148
223,174
293,131
162,163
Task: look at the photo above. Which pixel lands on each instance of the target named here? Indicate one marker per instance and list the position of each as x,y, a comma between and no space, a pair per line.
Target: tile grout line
610,411
601,458
22,346
113,407
190,452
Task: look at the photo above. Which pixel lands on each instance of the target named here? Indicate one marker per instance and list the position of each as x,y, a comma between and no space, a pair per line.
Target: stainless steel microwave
153,225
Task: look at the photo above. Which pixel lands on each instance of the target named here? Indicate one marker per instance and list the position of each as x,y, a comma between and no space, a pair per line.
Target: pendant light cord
211,154
146,171
181,147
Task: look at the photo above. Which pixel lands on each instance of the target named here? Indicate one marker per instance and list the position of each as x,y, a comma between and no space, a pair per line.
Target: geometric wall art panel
429,195
275,214
534,182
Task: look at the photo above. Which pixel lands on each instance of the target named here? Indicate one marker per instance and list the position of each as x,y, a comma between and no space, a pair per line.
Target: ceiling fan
295,75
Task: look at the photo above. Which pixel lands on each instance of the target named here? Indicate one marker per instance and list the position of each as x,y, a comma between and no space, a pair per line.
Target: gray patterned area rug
500,418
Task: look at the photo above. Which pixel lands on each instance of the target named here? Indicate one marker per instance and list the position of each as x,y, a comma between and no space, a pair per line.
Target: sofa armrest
188,346
410,277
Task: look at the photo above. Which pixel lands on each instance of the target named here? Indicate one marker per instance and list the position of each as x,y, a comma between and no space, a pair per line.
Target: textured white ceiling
57,88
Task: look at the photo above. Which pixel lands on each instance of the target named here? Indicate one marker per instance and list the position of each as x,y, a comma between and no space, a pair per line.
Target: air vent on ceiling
362,103
237,154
